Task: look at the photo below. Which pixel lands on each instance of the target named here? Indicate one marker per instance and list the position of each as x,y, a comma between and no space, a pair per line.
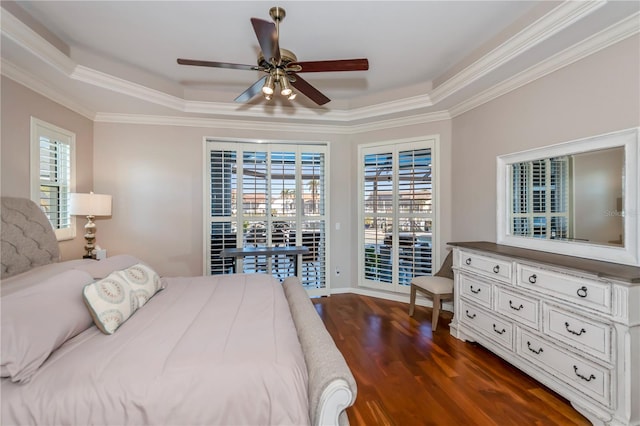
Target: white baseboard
396,297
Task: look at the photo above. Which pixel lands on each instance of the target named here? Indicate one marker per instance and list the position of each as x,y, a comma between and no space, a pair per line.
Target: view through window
397,213
268,195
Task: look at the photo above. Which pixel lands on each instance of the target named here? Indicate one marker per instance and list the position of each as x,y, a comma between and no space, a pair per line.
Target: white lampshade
89,204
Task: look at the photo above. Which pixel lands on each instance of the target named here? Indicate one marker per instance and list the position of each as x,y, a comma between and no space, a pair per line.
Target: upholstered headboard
27,237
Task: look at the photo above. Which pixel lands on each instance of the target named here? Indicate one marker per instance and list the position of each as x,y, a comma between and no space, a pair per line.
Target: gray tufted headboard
28,239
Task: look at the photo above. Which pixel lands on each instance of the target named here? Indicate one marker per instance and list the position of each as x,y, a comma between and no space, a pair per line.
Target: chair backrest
446,270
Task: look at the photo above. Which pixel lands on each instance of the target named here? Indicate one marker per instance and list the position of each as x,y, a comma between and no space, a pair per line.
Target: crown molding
411,120
548,25
16,30
120,85
156,120
19,75
615,33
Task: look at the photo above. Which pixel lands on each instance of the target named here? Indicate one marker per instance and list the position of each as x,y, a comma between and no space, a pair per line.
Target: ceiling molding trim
16,30
24,78
390,107
552,23
119,85
157,120
399,122
617,32
264,112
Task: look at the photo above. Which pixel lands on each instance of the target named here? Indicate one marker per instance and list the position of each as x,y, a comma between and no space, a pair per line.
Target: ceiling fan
281,66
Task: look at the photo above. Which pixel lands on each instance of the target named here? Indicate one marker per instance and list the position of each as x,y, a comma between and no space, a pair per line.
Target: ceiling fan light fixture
292,96
269,86
285,87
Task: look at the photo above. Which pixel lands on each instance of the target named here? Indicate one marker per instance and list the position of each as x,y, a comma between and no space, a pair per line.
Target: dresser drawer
478,291
583,292
588,378
585,334
495,268
489,325
522,309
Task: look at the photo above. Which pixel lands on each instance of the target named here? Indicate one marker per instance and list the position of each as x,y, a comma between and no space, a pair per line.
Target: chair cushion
435,285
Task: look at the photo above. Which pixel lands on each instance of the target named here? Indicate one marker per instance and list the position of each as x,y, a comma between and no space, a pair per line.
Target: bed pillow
38,320
112,300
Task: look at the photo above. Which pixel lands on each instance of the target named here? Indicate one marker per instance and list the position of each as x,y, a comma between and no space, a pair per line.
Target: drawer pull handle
582,291
577,333
496,269
515,308
533,278
468,261
498,331
537,352
474,291
470,316
588,379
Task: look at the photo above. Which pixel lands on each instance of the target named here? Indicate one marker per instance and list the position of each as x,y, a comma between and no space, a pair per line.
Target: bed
239,349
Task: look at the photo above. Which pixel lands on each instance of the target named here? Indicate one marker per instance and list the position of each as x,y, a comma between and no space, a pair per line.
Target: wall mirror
578,198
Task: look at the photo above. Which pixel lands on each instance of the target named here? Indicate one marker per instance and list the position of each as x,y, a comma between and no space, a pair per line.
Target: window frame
39,129
397,146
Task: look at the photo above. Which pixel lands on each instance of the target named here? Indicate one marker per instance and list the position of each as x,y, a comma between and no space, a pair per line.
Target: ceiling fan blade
251,91
308,90
334,65
218,64
267,38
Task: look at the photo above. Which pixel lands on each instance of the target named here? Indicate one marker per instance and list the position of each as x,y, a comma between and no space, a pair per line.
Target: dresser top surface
624,273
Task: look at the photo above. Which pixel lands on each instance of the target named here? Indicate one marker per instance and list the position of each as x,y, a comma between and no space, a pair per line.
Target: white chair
438,287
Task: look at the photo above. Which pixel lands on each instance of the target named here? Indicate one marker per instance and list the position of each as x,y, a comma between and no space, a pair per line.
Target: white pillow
112,300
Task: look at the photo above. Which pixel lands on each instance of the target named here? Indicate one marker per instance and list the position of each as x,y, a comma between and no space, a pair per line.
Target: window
53,174
541,198
397,213
267,195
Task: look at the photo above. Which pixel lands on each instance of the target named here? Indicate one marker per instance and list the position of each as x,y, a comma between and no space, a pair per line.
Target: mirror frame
629,254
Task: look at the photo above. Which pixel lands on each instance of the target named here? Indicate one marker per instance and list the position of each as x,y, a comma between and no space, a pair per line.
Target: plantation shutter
53,161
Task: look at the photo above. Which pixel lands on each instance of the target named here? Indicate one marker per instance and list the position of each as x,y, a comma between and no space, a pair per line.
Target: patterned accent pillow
144,282
112,300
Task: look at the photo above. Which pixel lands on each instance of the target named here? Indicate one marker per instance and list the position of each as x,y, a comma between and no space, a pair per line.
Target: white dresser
571,323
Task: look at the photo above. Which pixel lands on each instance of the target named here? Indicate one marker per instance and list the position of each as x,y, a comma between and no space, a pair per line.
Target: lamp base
90,237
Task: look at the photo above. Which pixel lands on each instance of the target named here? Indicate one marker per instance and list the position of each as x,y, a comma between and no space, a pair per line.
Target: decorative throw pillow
112,300
144,282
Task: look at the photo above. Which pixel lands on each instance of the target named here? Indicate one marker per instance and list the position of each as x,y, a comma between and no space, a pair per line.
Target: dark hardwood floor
408,375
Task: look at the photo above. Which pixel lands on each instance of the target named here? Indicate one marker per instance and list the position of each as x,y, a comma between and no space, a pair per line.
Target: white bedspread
206,350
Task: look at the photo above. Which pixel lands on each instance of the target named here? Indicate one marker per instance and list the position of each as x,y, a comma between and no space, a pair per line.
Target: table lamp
89,205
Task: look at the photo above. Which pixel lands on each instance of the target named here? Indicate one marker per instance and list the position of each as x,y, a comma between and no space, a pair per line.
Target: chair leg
412,300
436,312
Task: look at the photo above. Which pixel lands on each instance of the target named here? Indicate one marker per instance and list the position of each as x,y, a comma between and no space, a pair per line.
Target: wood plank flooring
408,375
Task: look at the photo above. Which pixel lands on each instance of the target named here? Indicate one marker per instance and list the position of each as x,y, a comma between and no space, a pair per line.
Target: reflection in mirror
576,197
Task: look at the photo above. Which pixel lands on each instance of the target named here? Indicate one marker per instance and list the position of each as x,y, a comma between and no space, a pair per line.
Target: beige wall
595,95
155,174
19,104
